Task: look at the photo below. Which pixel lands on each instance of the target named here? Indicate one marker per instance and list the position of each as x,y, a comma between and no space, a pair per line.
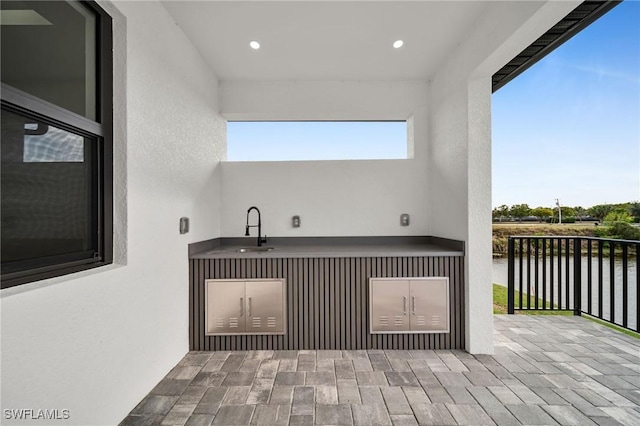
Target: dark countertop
312,247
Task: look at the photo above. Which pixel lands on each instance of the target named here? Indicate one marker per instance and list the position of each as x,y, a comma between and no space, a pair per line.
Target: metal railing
594,276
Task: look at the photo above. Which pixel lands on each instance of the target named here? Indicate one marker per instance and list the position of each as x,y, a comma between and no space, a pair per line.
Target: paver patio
547,370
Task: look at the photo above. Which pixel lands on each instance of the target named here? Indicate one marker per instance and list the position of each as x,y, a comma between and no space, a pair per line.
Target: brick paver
545,370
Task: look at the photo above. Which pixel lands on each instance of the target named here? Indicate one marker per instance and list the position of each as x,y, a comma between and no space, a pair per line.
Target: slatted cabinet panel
327,302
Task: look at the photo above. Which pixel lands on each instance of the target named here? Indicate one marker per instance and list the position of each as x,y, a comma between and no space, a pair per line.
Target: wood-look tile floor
547,370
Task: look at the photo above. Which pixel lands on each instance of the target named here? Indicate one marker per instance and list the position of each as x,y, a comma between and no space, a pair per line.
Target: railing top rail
542,237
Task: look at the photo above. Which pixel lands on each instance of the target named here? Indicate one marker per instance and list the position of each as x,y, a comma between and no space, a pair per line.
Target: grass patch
499,299
500,307
500,303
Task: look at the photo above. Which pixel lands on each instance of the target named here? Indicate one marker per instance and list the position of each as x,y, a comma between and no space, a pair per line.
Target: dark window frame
17,101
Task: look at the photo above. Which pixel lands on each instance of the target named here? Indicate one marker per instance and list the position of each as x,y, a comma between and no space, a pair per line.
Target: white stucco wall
460,145
95,343
333,198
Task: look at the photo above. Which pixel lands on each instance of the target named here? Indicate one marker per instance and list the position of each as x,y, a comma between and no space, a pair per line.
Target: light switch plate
404,219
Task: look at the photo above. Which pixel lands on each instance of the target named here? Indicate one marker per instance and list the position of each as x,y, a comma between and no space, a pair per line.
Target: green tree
500,212
618,215
542,213
634,210
568,215
520,211
618,230
600,210
568,211
579,212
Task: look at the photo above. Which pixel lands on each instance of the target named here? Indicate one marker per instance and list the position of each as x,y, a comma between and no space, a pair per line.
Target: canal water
500,276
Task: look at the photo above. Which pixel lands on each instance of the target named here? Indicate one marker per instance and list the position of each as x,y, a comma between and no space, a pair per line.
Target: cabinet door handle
413,302
241,306
249,306
405,305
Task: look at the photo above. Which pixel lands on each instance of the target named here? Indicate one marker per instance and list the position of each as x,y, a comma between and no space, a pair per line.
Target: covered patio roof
577,20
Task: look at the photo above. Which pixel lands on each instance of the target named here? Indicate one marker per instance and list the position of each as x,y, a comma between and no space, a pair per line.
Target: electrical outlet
295,221
404,219
184,225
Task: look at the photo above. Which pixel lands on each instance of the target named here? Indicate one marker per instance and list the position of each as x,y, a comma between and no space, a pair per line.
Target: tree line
624,212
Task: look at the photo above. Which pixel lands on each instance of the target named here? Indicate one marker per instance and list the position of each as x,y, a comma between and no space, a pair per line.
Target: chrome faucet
259,225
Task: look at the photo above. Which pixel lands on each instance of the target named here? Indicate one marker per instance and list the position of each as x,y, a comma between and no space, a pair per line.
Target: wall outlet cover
184,225
404,219
295,221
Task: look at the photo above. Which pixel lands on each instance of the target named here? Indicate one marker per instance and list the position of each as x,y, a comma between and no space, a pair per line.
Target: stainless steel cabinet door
389,305
429,304
265,306
225,310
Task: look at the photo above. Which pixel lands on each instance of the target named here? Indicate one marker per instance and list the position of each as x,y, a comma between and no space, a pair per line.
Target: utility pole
559,212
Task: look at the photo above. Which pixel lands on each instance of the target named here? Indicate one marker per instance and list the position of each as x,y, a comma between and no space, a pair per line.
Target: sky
569,126
316,140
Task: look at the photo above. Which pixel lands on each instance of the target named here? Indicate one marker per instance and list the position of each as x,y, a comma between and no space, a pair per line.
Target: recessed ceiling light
398,44
254,45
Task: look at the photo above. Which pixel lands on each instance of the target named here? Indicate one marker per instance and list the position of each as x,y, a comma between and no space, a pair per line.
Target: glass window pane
49,51
47,178
54,145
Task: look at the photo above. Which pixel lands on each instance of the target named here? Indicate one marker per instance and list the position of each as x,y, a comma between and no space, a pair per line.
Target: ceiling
325,40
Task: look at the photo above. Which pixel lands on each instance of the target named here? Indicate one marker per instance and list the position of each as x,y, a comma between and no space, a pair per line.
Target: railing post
637,287
511,274
625,285
577,275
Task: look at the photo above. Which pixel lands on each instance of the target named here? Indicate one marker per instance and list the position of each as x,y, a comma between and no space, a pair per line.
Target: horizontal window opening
317,140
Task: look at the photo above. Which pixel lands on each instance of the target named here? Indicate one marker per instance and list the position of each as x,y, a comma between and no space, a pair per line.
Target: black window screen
48,186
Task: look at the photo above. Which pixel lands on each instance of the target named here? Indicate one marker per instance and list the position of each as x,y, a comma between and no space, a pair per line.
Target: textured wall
96,342
460,145
333,198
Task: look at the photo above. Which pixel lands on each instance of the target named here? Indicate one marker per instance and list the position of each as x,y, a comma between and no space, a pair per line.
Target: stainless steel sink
254,249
